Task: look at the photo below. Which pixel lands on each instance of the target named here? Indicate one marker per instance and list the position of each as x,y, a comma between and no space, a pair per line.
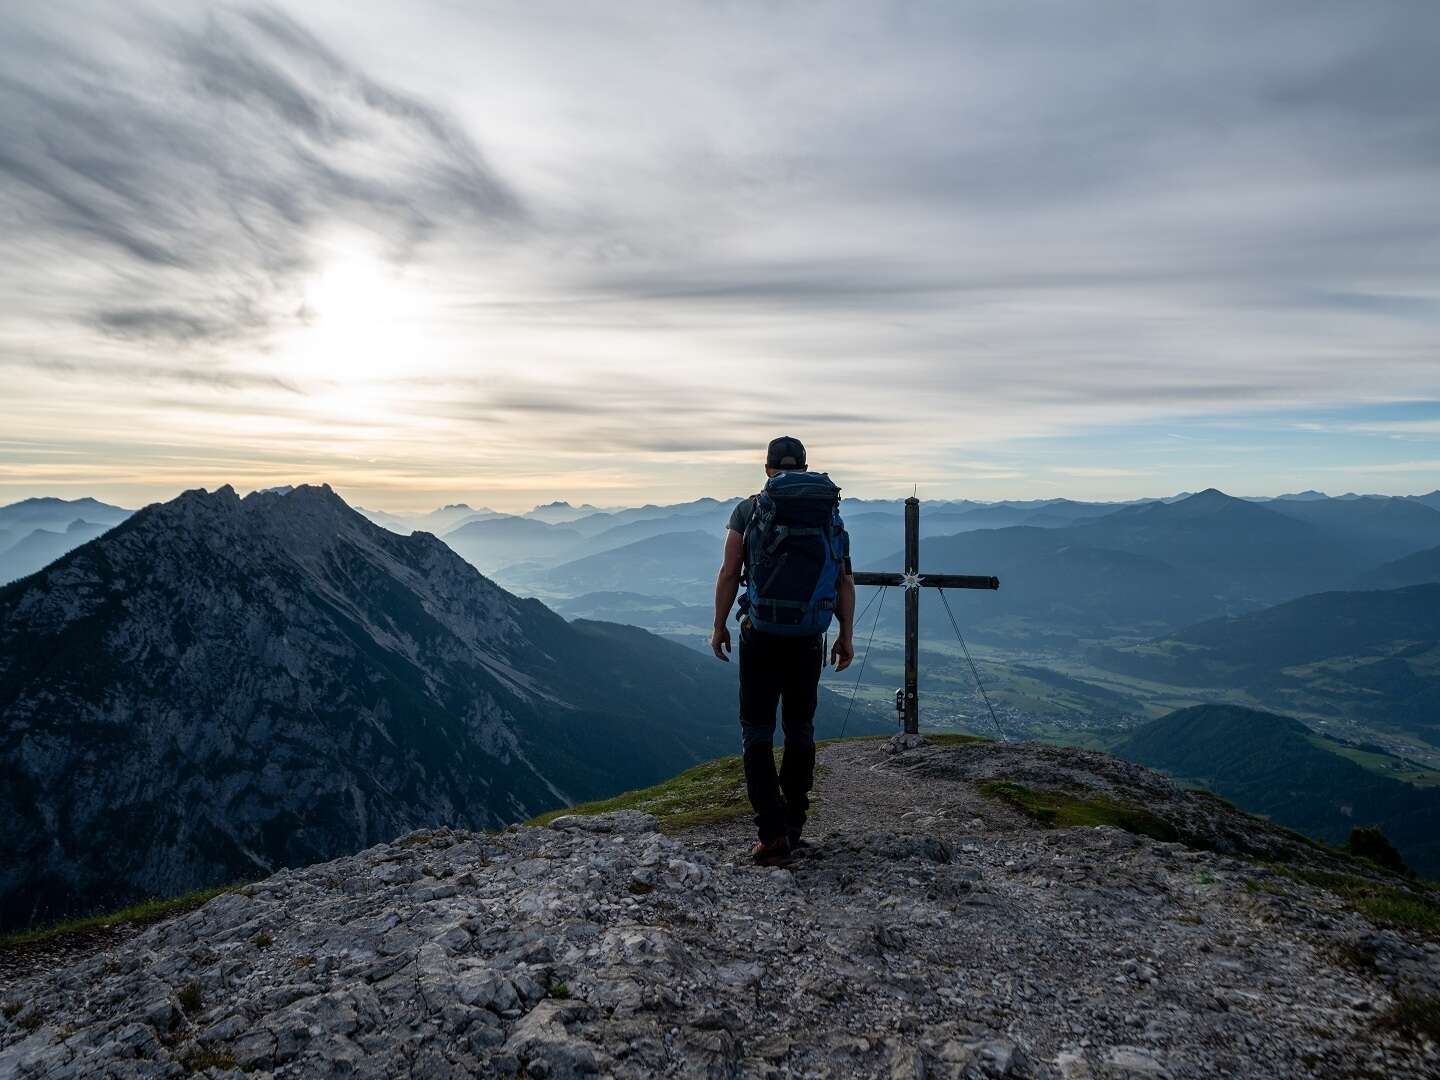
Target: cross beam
912,581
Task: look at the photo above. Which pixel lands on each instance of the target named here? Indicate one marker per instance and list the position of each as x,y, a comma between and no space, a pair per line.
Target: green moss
1058,810
558,990
1417,1016
198,1060
1273,888
141,914
190,997
1370,842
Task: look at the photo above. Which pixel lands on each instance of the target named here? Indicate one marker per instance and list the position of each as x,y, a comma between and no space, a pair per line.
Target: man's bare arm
843,651
727,584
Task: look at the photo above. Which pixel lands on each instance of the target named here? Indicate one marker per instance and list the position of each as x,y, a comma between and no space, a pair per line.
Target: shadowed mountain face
221,686
1276,766
1423,567
1327,624
1372,657
1058,586
672,563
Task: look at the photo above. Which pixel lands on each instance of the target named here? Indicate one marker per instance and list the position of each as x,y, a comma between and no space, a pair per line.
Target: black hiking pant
785,671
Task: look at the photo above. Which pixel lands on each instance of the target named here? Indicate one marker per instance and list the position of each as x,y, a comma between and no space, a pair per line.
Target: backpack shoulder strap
750,525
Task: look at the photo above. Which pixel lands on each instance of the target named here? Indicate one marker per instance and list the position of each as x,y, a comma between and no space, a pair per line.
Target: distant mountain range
1151,567
1170,561
36,532
1276,766
221,686
1074,571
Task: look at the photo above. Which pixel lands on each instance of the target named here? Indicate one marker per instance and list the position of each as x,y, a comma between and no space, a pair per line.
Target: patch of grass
190,997
141,914
557,990
263,939
1058,810
198,1060
1270,888
11,1009
1416,1016
1204,794
1350,955
32,1020
953,738
1395,907
707,794
1384,903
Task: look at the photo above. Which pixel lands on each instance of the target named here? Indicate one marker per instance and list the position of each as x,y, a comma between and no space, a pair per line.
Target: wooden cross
912,580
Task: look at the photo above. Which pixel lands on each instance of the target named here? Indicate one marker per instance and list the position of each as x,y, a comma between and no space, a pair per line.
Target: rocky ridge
933,931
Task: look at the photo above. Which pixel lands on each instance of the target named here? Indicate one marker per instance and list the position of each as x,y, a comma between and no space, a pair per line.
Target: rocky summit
948,921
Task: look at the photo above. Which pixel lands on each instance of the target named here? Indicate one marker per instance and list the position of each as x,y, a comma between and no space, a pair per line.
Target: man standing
788,546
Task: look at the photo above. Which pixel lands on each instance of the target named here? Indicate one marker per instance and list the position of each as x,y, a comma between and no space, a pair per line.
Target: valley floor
937,930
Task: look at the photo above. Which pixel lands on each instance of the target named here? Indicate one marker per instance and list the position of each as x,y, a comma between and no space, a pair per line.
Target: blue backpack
795,549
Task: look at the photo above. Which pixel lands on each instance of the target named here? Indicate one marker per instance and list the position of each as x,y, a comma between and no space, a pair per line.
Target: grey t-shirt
741,515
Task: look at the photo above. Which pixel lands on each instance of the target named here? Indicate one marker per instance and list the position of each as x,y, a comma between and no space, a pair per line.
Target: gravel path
934,932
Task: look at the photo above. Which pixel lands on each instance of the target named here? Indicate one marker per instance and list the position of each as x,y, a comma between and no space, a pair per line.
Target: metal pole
912,618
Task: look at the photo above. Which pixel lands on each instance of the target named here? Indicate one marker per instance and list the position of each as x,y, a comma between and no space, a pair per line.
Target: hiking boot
797,845
771,853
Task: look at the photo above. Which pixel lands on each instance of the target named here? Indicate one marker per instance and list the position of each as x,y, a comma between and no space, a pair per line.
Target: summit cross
912,581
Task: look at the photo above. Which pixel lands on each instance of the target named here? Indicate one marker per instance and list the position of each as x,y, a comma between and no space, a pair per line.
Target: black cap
786,452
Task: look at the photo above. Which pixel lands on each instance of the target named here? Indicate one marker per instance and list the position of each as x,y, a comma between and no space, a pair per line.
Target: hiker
788,546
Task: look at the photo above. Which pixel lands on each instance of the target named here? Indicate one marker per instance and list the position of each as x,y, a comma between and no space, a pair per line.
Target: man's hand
720,639
842,652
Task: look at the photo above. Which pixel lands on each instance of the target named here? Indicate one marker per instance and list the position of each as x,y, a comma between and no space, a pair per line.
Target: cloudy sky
509,252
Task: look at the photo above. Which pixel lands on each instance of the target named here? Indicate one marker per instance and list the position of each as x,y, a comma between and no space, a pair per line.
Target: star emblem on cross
910,580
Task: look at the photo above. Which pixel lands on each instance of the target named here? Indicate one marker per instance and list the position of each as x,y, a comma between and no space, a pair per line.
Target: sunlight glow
361,321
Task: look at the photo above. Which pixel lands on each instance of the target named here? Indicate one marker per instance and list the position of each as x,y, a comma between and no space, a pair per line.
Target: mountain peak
290,661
